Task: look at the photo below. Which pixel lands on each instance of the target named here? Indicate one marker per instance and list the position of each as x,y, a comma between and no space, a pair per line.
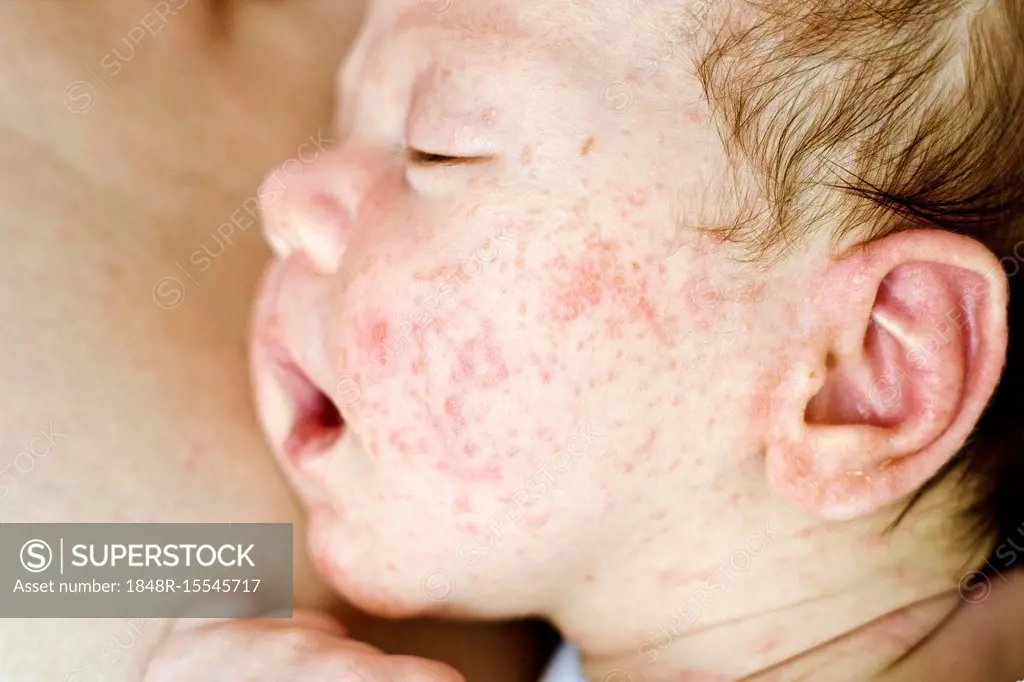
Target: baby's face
540,364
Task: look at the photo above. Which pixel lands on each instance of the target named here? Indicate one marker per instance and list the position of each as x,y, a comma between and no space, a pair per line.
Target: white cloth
564,666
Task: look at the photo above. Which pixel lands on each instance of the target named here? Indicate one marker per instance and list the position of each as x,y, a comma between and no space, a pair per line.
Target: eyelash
422,158
419,157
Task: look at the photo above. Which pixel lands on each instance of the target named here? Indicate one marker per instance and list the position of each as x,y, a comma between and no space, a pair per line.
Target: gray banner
145,570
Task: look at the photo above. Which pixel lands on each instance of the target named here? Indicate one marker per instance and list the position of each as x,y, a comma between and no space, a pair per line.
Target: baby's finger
301,618
236,606
314,620
414,669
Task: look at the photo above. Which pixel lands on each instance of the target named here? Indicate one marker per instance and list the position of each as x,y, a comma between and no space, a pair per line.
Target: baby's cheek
474,398
497,360
448,368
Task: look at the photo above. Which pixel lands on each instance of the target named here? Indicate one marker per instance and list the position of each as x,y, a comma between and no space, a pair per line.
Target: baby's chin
381,586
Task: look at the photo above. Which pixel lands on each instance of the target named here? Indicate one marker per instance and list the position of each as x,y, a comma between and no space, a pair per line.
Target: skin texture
980,642
98,203
561,397
310,647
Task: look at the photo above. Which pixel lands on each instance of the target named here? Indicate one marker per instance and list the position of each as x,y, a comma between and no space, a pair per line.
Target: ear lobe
907,376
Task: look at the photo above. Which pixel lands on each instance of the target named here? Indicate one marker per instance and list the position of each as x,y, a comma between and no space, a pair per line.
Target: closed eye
421,158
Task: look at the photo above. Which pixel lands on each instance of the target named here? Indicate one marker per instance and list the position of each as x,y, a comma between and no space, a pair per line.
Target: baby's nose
309,208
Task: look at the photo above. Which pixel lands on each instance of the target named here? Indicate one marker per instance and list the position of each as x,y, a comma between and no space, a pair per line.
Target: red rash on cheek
480,361
378,333
600,279
375,342
453,408
452,370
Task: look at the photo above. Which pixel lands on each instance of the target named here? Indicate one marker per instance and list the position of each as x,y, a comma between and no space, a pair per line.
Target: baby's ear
911,341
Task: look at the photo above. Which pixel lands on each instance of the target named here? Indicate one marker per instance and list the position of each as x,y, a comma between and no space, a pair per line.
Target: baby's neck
753,651
836,614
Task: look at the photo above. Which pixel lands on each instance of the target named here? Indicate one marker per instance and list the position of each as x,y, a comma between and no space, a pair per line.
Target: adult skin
981,641
131,132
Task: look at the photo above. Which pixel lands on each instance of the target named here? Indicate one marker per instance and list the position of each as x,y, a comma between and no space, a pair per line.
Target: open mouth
316,421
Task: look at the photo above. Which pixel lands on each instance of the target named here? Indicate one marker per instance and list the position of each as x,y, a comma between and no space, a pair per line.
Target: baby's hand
311,647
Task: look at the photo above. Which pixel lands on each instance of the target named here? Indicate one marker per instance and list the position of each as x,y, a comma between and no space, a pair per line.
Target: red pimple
465,368
453,408
374,343
498,371
645,448
378,333
638,197
418,365
468,527
535,523
398,444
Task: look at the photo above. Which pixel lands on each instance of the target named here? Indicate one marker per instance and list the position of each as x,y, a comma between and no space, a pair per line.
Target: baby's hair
898,114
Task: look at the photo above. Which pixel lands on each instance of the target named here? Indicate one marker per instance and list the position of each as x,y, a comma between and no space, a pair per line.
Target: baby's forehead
581,30
537,69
